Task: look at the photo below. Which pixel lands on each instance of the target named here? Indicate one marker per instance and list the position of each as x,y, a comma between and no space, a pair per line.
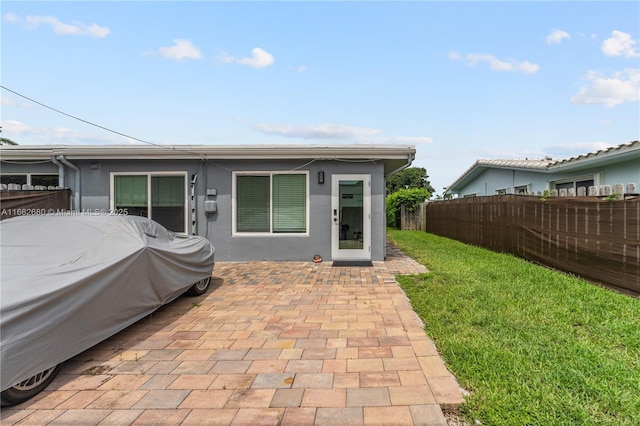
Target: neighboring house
269,202
615,165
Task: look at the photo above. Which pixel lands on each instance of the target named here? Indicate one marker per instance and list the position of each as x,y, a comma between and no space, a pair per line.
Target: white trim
270,173
149,175
29,174
595,177
526,187
218,152
351,254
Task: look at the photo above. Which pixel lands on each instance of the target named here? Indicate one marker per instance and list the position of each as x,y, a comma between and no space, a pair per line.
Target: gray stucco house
615,165
254,202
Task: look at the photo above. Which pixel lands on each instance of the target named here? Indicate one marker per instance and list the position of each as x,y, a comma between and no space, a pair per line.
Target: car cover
68,282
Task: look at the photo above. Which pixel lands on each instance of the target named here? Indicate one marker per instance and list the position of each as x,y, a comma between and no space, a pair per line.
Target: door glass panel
350,201
167,201
131,194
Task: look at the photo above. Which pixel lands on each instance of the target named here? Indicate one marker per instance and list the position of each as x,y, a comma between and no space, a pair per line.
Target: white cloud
556,37
620,44
621,87
225,58
11,17
10,101
25,134
495,64
259,58
181,49
32,22
575,149
354,134
14,126
318,131
411,140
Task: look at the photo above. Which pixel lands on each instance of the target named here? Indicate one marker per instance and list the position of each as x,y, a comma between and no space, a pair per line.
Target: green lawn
533,346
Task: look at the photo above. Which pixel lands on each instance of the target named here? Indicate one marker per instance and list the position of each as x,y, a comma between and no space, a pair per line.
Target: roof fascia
479,167
611,156
219,152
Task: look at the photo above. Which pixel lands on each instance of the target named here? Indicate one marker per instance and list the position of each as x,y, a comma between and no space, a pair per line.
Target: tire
199,288
29,387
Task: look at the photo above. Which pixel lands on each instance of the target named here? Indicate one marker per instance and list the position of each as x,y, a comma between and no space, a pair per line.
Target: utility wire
94,124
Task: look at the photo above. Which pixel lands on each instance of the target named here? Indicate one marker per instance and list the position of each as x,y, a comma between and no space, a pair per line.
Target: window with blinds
160,197
274,203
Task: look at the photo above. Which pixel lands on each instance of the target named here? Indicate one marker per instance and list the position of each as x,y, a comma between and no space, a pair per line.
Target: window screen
130,191
289,203
273,203
252,203
167,201
167,198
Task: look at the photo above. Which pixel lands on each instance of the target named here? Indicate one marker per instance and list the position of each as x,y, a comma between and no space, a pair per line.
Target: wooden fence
33,202
597,239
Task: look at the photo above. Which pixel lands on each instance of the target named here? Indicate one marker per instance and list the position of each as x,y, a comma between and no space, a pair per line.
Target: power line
94,124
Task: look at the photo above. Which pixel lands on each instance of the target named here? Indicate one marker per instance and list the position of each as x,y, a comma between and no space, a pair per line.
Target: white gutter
410,159
211,152
76,200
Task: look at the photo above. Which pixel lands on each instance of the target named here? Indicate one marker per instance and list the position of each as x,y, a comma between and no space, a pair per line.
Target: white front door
351,217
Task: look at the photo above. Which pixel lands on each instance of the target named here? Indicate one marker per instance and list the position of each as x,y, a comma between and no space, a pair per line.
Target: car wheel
199,288
30,387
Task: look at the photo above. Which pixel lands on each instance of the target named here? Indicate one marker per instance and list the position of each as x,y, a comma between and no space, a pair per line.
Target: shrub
411,198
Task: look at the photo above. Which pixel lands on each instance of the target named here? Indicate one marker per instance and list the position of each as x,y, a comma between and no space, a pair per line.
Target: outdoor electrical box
212,192
210,207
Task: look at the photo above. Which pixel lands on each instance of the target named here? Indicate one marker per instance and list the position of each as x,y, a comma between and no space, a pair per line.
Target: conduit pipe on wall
76,198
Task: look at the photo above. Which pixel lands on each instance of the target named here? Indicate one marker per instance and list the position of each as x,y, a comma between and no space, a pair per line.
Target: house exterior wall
491,180
624,173
218,174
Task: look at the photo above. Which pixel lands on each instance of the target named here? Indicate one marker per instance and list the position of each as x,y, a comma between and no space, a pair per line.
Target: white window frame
270,173
112,198
527,189
28,175
594,177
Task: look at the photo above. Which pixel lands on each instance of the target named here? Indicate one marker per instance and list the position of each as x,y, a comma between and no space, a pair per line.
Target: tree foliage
411,198
5,141
412,177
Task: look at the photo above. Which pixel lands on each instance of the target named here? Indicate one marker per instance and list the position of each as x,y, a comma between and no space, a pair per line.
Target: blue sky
459,80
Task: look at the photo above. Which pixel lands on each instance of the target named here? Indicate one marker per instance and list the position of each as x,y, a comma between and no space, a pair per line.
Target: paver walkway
289,343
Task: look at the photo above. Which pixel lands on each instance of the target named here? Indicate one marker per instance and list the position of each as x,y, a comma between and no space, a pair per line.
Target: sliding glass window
161,197
271,203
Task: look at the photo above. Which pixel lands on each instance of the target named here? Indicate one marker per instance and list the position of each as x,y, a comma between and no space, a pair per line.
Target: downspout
410,159
60,171
76,200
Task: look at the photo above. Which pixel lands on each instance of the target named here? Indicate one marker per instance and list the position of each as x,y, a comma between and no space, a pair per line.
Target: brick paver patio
290,343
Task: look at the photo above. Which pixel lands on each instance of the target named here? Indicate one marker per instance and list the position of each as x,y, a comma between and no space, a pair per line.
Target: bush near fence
595,238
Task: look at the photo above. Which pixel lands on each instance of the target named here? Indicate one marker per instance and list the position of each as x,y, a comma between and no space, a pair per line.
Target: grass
532,346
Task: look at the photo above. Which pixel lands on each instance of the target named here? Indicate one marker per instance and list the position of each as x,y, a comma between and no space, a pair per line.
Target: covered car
68,282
